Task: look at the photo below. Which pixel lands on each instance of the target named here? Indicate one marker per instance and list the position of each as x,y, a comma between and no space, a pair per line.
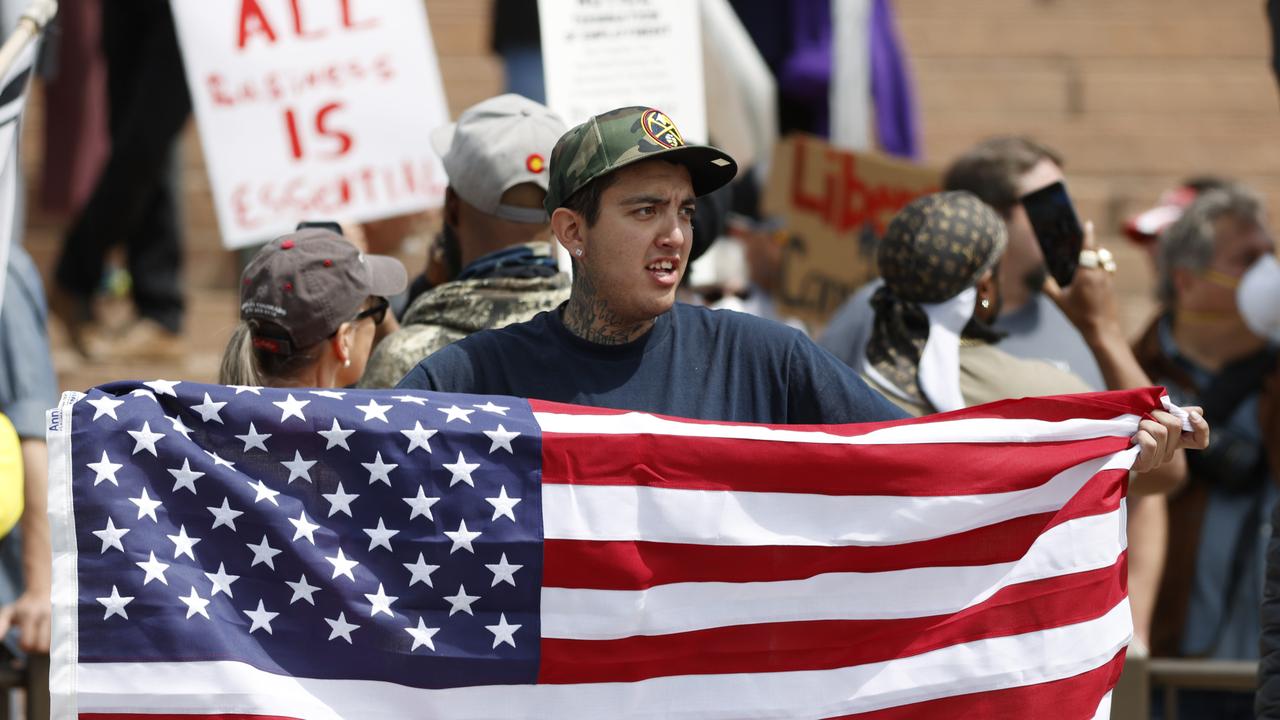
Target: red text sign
835,205
313,110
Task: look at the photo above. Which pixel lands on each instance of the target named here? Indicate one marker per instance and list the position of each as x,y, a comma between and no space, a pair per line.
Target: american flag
294,553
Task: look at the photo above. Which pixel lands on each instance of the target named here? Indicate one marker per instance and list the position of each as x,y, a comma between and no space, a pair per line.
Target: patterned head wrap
931,257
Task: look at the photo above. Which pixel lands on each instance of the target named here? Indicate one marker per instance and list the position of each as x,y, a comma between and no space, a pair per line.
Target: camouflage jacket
453,311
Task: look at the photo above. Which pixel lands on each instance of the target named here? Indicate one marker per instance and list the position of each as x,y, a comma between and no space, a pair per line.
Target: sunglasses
378,311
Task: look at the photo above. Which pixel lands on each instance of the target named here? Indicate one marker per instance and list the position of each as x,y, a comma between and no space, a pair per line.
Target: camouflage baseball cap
624,136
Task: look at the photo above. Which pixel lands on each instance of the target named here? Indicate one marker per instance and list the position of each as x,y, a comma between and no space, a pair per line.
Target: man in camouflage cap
621,198
496,158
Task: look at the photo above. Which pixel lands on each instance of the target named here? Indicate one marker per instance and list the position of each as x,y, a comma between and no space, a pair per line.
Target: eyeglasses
378,311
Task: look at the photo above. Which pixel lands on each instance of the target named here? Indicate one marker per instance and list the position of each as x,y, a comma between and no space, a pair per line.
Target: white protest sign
313,110
598,55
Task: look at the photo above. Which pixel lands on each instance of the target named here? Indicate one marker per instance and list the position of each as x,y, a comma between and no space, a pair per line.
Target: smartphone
1057,229
322,224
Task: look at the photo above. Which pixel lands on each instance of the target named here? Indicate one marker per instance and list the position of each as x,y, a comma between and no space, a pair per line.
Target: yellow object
11,488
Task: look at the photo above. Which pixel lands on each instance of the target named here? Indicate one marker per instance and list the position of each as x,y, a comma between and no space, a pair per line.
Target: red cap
1147,225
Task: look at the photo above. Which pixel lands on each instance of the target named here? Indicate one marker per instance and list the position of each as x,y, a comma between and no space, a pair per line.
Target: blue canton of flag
326,534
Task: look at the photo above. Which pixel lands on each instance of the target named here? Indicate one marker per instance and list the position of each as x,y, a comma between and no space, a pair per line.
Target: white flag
13,99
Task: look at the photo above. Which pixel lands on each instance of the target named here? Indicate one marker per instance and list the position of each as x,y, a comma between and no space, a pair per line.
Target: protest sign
835,205
313,110
606,54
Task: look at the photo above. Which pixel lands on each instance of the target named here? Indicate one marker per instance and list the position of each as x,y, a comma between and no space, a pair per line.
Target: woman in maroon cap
310,303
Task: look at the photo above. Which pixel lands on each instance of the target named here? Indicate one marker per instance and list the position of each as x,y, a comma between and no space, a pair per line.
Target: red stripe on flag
1093,406
628,565
1073,698
822,645
625,565
667,461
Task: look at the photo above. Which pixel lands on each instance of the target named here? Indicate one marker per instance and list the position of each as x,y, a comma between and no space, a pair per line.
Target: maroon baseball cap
300,287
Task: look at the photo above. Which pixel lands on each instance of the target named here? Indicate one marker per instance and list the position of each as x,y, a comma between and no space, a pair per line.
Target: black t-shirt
694,363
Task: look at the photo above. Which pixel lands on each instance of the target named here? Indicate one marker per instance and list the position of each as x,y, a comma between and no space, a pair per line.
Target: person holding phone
1000,171
1080,282
933,347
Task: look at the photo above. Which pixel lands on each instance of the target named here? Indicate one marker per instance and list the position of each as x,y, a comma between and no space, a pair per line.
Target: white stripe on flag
972,430
1104,708
1079,545
978,666
720,517
64,622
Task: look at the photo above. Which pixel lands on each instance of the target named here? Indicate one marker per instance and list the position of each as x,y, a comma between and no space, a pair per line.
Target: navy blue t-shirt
694,363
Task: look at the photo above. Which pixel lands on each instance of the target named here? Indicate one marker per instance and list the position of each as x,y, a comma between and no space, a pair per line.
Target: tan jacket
988,373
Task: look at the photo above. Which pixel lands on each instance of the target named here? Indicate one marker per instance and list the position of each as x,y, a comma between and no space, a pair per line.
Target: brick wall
1136,94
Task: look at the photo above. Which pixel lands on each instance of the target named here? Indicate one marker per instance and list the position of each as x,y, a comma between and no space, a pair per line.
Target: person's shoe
75,312
146,339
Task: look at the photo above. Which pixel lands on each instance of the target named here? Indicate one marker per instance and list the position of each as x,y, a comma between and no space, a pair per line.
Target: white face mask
729,302
1258,298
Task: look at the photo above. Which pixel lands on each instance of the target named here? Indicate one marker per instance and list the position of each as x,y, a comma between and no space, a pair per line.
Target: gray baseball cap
300,287
495,145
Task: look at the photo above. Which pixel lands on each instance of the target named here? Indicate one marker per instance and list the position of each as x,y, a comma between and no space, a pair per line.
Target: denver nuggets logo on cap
661,129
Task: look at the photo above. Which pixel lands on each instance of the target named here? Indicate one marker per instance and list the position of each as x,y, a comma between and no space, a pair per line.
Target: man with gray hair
495,225
1204,353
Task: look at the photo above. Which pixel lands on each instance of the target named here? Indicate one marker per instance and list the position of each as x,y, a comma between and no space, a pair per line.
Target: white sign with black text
603,54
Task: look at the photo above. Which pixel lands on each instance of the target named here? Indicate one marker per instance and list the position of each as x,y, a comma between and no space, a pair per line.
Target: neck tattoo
588,315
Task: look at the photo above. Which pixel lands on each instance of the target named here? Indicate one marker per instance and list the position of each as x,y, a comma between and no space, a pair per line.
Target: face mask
1258,298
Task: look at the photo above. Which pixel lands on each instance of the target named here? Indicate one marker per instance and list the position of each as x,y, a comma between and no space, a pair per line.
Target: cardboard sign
599,55
313,110
835,205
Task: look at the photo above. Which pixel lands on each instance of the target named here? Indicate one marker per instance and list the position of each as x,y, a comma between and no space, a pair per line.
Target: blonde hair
243,364
239,365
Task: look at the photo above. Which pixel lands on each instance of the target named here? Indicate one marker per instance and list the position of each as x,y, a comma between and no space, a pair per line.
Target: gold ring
1106,260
